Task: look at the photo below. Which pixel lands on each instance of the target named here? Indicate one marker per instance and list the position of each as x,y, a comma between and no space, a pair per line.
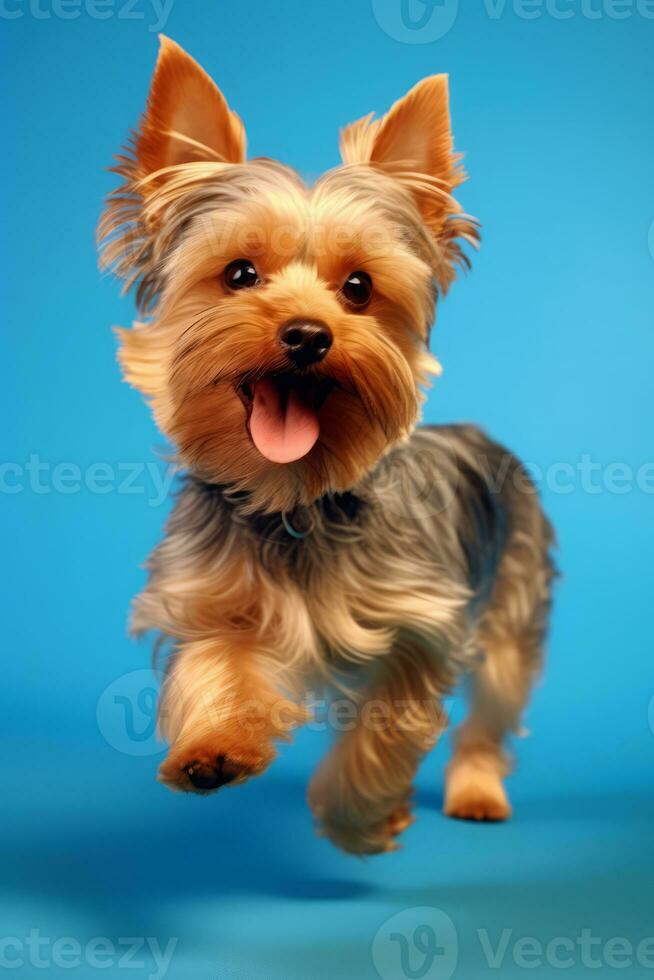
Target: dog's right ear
187,117
413,143
414,137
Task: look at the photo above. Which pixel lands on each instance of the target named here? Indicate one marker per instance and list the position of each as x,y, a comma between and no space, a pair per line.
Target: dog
320,537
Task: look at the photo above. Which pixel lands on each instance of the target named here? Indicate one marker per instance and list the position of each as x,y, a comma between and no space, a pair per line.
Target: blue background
548,344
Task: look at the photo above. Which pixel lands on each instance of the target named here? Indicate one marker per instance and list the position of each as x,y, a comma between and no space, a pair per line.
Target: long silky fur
390,560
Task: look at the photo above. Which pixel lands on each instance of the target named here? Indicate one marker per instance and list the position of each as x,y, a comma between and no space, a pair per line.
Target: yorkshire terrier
319,536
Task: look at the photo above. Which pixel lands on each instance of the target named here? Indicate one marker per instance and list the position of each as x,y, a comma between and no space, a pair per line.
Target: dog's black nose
305,341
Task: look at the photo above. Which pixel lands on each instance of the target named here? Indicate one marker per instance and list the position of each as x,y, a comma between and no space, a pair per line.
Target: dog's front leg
221,716
360,795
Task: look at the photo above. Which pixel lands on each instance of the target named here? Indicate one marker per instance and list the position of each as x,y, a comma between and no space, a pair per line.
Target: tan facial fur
191,205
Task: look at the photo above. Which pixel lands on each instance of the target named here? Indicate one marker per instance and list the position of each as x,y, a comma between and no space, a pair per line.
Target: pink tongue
281,432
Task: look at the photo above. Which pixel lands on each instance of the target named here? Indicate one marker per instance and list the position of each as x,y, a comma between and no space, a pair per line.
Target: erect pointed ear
413,141
187,117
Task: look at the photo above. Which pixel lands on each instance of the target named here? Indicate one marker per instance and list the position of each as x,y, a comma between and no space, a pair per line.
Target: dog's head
287,326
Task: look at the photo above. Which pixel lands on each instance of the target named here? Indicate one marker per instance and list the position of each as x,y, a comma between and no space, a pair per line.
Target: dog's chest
359,595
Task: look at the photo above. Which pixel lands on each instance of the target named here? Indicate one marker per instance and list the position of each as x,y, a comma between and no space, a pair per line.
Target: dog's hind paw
475,794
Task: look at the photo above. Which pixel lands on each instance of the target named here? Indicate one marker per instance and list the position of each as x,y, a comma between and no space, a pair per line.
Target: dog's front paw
206,767
357,837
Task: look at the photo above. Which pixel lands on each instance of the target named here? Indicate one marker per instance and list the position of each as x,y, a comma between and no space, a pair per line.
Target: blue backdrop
548,344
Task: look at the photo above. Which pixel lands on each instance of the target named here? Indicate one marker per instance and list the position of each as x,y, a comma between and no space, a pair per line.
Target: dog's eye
241,274
357,289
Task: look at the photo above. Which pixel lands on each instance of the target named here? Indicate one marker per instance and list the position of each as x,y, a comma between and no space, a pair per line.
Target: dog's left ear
187,117
186,120
413,141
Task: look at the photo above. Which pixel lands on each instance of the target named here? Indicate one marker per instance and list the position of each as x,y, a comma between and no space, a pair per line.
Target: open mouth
282,413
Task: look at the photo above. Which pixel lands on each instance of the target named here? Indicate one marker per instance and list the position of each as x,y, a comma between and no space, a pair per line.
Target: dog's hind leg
499,692
511,635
